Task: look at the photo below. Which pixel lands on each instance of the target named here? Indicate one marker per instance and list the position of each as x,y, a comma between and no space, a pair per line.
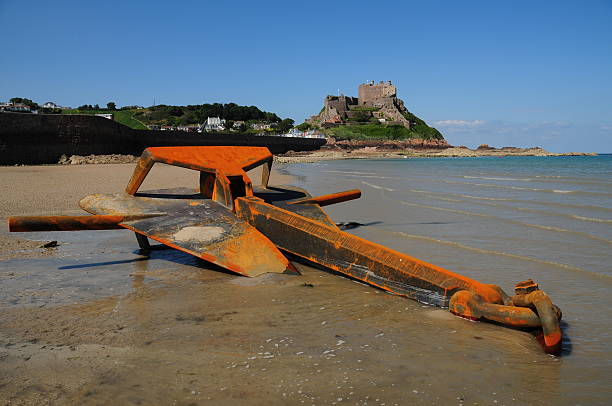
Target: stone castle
376,103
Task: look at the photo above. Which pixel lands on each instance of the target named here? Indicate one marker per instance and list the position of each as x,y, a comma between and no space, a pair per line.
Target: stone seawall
43,138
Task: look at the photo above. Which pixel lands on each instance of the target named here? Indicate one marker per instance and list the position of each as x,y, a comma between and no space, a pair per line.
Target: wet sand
93,322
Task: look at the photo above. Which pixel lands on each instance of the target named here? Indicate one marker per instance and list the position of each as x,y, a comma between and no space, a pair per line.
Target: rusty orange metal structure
246,229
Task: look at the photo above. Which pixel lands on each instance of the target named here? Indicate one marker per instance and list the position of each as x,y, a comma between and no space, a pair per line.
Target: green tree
27,102
304,126
111,106
285,125
269,117
175,111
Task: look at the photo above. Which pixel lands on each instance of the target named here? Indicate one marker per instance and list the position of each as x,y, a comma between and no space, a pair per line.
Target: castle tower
370,92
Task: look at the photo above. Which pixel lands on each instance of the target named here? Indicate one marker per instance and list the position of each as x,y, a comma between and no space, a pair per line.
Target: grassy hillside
382,131
125,117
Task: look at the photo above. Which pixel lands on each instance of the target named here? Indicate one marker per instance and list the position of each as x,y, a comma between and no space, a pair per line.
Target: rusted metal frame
247,186
143,166
230,160
264,160
207,184
226,190
221,192
359,258
214,182
332,198
265,173
143,242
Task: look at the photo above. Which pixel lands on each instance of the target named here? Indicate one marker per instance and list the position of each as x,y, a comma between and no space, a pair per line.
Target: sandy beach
93,322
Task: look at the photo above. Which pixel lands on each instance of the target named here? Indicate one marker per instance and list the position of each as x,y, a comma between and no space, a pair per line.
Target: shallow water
98,323
500,220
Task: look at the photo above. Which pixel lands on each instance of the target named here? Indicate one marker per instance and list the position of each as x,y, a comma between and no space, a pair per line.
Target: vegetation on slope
419,126
192,114
125,117
383,132
375,130
362,124
140,118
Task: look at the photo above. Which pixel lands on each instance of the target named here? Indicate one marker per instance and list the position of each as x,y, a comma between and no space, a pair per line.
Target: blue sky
519,73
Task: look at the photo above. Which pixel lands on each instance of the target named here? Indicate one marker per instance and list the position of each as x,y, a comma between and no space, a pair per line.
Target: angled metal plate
198,226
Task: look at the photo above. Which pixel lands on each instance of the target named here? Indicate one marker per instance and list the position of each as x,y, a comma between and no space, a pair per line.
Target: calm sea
500,220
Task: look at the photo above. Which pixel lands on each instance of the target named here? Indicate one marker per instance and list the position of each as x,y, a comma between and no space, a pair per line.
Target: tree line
183,115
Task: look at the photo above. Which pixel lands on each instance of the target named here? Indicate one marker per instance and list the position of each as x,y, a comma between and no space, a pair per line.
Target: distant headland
376,114
377,124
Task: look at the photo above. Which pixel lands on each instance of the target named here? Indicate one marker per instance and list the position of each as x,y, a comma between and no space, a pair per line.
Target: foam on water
377,186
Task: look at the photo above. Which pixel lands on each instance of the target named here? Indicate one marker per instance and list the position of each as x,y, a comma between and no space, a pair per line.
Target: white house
51,105
16,107
214,124
261,126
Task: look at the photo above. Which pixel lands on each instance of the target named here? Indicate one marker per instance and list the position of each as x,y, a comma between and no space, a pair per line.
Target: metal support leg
143,243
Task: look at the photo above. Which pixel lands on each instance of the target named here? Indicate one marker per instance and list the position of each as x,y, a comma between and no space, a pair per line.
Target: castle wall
369,92
340,103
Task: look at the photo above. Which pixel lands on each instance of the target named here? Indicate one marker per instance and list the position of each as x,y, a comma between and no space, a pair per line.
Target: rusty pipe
332,198
70,223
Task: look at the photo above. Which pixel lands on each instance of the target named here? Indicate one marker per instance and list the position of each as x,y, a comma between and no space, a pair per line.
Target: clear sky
520,73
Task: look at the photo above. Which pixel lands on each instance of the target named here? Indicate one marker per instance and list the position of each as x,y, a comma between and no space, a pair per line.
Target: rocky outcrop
364,150
388,144
376,103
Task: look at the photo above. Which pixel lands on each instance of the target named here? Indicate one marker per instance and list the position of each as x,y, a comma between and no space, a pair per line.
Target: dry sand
93,322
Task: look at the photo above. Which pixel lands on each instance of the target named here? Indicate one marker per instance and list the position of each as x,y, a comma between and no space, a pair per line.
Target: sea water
500,220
